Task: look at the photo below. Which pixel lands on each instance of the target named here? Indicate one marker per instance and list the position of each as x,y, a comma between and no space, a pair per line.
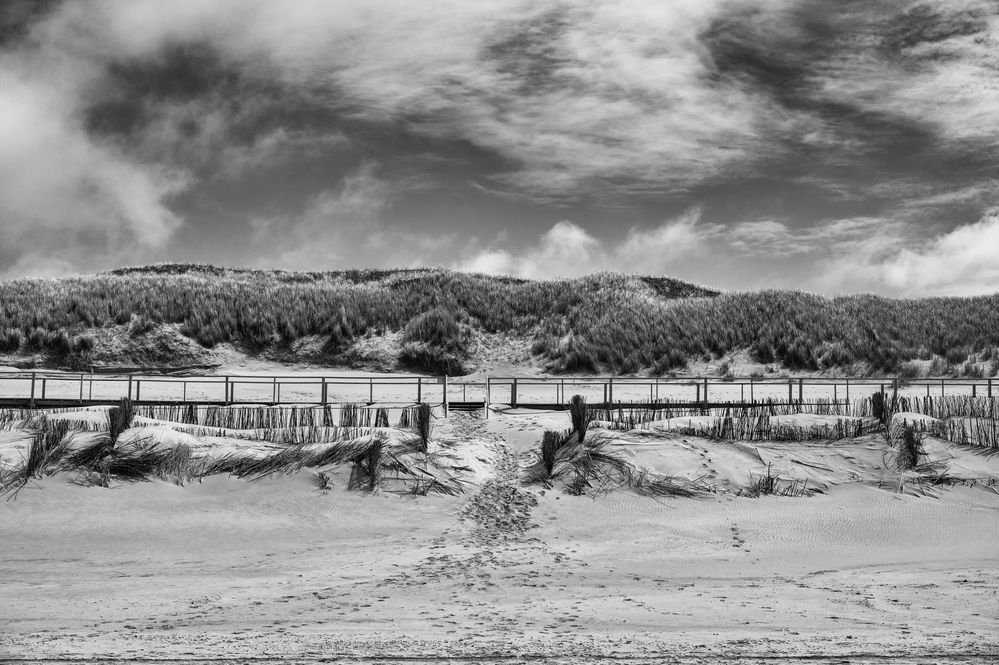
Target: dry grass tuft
770,484
593,467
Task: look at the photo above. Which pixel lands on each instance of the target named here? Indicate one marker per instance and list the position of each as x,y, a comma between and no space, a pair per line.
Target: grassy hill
444,321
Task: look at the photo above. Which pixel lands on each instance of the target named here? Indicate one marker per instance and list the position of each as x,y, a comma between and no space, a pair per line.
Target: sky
829,146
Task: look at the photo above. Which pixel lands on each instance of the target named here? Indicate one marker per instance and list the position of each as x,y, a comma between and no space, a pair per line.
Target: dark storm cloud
789,56
17,17
926,24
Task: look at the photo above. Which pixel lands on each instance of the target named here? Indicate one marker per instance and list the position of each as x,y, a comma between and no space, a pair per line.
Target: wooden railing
50,388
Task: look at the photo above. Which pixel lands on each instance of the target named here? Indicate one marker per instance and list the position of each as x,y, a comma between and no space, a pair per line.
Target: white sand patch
14,446
681,422
158,436
912,418
806,420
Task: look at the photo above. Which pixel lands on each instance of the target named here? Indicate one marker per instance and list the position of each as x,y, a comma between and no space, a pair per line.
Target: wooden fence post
610,390
44,384
81,387
705,390
513,394
324,392
990,388
274,390
801,391
419,390
138,389
445,395
790,391
130,386
371,389
31,402
489,390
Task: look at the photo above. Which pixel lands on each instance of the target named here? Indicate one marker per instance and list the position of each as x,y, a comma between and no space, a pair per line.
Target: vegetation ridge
443,321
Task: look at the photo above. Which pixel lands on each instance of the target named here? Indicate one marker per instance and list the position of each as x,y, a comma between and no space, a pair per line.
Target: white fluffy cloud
568,250
964,261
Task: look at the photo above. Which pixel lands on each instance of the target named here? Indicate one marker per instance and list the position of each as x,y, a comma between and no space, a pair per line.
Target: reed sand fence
946,406
634,416
212,419
761,428
275,417
279,435
35,420
971,431
17,414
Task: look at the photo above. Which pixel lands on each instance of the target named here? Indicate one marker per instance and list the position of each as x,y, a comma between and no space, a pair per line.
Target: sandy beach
275,569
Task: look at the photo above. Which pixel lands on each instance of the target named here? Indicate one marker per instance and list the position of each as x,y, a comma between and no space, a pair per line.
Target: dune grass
593,467
605,322
771,484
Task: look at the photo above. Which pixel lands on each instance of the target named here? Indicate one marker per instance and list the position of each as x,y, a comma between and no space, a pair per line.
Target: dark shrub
10,340
432,360
956,355
58,343
762,352
438,328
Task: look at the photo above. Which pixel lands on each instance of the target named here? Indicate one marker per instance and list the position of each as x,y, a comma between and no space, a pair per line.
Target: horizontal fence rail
37,389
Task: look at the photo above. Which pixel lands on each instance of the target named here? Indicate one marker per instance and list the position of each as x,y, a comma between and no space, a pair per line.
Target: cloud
342,227
61,192
571,93
964,261
933,64
774,239
275,149
568,250
116,114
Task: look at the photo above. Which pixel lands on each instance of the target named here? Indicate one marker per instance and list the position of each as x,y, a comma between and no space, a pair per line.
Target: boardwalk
49,389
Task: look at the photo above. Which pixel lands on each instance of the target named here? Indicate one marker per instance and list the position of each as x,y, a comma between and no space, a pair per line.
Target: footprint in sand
737,539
